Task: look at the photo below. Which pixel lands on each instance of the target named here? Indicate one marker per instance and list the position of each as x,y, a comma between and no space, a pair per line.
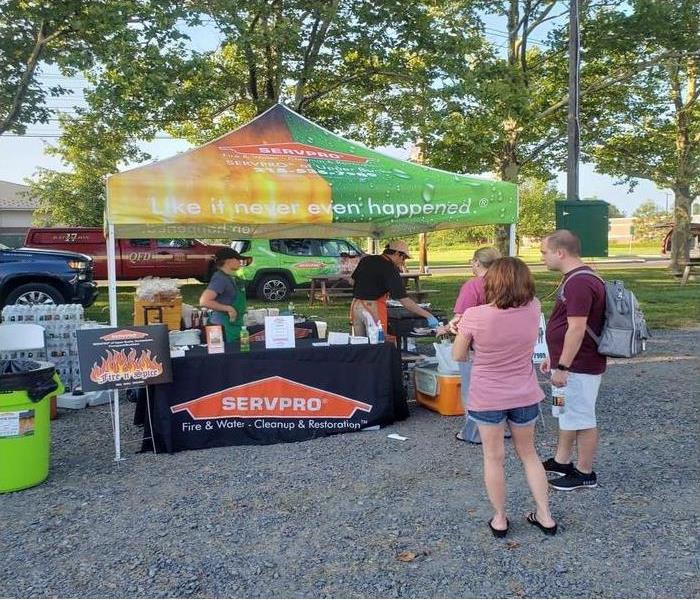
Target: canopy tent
283,176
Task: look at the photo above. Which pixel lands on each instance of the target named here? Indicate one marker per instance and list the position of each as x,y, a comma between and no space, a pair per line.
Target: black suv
29,276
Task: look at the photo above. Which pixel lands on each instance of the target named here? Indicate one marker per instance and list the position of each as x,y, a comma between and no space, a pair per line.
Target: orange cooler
438,392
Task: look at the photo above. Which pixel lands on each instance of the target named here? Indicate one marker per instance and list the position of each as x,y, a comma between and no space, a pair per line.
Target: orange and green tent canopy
284,176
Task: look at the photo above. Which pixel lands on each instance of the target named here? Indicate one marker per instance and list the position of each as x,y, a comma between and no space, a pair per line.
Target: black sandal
532,519
459,438
499,533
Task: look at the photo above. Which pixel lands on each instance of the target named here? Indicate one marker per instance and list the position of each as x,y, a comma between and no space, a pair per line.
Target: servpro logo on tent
275,397
124,334
294,150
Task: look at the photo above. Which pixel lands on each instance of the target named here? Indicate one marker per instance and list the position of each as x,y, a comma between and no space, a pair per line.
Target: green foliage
335,62
537,216
78,197
647,218
614,212
74,36
75,199
652,131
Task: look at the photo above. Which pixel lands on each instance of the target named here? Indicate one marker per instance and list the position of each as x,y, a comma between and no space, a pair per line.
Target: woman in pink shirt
504,384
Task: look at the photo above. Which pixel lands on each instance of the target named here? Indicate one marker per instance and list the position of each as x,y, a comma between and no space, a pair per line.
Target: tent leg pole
511,240
112,295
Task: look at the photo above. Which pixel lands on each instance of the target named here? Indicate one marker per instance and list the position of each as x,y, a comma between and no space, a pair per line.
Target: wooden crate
153,312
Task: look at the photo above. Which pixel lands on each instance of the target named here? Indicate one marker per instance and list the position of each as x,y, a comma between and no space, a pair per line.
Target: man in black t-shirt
377,277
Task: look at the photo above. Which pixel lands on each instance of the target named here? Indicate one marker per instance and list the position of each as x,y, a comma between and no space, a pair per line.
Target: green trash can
26,387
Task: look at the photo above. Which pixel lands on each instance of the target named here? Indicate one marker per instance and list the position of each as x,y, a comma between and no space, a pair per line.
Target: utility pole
573,134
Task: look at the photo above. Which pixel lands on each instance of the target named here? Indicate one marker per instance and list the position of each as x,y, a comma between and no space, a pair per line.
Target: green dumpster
25,390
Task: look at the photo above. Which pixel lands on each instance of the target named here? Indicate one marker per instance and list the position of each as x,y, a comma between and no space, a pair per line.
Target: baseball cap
399,246
227,253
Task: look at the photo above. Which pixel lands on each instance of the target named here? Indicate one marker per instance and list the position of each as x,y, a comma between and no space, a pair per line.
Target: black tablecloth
271,396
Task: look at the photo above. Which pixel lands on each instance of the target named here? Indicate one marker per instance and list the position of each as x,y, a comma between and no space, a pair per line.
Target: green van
280,266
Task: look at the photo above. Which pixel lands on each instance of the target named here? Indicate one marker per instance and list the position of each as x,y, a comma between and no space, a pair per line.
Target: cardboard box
154,312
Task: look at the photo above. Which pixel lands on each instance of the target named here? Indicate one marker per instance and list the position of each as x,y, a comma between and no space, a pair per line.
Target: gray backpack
625,331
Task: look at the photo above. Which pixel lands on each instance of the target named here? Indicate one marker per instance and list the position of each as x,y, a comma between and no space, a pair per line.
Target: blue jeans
470,431
516,417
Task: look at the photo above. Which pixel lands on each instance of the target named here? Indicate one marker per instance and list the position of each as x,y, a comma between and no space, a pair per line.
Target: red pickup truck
178,258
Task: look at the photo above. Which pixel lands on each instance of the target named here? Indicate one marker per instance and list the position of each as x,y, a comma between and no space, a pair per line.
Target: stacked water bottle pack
60,323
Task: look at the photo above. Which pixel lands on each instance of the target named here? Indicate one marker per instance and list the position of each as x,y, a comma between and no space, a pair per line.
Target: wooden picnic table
330,286
417,293
325,288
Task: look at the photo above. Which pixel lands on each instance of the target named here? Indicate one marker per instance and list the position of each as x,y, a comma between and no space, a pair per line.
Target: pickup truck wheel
35,293
274,288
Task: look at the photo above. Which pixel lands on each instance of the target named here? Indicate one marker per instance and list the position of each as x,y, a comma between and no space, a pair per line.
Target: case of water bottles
60,323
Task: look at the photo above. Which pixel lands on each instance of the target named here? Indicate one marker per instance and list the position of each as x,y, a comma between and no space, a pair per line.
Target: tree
505,112
614,212
77,197
537,200
337,62
647,219
334,61
655,133
74,36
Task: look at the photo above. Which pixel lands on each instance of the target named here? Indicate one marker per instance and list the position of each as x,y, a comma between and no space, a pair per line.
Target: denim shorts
517,417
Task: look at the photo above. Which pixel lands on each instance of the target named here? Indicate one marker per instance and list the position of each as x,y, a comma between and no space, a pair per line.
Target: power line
504,34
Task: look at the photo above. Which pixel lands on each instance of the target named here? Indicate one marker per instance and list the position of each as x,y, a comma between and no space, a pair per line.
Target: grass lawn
463,255
665,303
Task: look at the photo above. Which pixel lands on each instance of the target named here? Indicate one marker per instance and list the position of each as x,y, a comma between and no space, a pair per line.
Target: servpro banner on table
273,403
281,169
266,397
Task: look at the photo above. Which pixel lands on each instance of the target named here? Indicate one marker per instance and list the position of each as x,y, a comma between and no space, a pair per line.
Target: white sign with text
540,353
279,332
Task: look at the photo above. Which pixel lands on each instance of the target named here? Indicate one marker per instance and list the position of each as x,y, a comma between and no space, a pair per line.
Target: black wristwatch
561,367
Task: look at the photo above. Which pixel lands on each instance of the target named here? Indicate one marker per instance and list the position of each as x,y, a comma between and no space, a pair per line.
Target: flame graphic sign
119,365
114,358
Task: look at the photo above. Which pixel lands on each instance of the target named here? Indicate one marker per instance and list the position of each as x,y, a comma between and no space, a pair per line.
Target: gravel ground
332,517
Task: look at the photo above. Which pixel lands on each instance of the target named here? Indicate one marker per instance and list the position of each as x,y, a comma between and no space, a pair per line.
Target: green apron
232,329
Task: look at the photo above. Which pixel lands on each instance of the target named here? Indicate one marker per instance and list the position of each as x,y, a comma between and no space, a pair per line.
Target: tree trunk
422,251
509,170
680,242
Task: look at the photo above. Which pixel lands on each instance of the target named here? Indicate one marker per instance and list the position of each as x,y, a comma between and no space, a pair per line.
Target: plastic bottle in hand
245,339
290,308
558,400
380,333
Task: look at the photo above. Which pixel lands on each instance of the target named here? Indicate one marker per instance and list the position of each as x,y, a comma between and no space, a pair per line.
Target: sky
21,157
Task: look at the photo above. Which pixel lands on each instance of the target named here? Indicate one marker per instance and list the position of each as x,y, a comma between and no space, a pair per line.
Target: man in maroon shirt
574,361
